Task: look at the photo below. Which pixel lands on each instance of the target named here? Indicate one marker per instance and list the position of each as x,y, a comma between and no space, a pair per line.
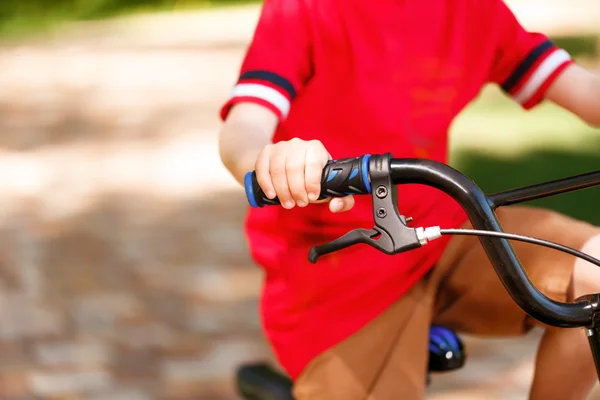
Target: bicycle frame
584,312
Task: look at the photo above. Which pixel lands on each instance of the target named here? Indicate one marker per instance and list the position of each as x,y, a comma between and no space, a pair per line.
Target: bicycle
377,175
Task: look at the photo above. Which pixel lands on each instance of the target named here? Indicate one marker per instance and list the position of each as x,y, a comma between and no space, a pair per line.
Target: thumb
341,204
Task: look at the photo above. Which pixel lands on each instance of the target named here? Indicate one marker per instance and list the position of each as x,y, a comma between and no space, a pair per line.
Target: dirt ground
124,273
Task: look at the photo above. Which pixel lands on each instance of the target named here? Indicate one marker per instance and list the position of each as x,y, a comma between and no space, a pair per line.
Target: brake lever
351,238
391,234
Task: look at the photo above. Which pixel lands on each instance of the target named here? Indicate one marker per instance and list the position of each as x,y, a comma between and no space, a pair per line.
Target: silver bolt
589,332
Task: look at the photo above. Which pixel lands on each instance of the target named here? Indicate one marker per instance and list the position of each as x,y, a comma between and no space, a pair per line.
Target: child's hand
292,172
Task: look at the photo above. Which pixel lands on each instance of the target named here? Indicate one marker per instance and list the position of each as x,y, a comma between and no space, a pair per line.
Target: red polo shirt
370,77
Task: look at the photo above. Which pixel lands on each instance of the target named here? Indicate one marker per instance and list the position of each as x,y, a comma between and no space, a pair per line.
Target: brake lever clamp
391,234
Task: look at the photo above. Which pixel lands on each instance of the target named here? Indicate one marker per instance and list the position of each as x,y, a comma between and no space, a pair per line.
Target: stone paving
124,273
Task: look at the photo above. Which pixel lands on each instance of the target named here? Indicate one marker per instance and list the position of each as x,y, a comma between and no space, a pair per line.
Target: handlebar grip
340,178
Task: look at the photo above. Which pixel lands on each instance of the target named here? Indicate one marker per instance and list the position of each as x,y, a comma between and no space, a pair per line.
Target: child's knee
586,276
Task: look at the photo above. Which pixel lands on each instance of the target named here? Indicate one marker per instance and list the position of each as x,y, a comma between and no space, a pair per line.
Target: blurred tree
17,16
82,9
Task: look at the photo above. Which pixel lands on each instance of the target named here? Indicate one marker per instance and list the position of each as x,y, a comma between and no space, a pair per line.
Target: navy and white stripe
267,86
541,74
525,66
272,78
266,93
524,83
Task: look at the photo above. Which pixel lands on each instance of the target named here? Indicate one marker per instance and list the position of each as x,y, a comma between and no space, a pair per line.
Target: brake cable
435,232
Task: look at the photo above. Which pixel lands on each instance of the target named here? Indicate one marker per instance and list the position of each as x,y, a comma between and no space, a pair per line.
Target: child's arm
529,67
290,170
275,70
248,129
578,90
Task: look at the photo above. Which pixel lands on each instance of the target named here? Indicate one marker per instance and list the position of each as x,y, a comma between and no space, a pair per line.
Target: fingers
292,171
315,160
295,168
263,174
278,170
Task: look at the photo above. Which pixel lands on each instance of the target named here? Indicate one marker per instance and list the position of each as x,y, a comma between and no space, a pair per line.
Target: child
342,78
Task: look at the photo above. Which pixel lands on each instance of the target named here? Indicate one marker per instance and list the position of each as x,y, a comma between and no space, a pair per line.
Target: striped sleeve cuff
266,88
529,82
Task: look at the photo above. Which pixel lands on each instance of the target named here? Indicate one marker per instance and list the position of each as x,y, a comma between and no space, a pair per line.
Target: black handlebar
396,236
500,252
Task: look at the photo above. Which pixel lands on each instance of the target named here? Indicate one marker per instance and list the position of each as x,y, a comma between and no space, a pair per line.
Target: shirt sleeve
277,63
526,63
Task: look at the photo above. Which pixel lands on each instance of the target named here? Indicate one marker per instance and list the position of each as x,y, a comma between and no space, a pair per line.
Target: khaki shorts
387,359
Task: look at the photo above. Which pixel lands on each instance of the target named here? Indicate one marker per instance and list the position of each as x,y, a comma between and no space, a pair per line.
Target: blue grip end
365,172
249,187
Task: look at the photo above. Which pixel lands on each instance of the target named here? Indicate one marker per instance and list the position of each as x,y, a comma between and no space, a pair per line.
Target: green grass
500,147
